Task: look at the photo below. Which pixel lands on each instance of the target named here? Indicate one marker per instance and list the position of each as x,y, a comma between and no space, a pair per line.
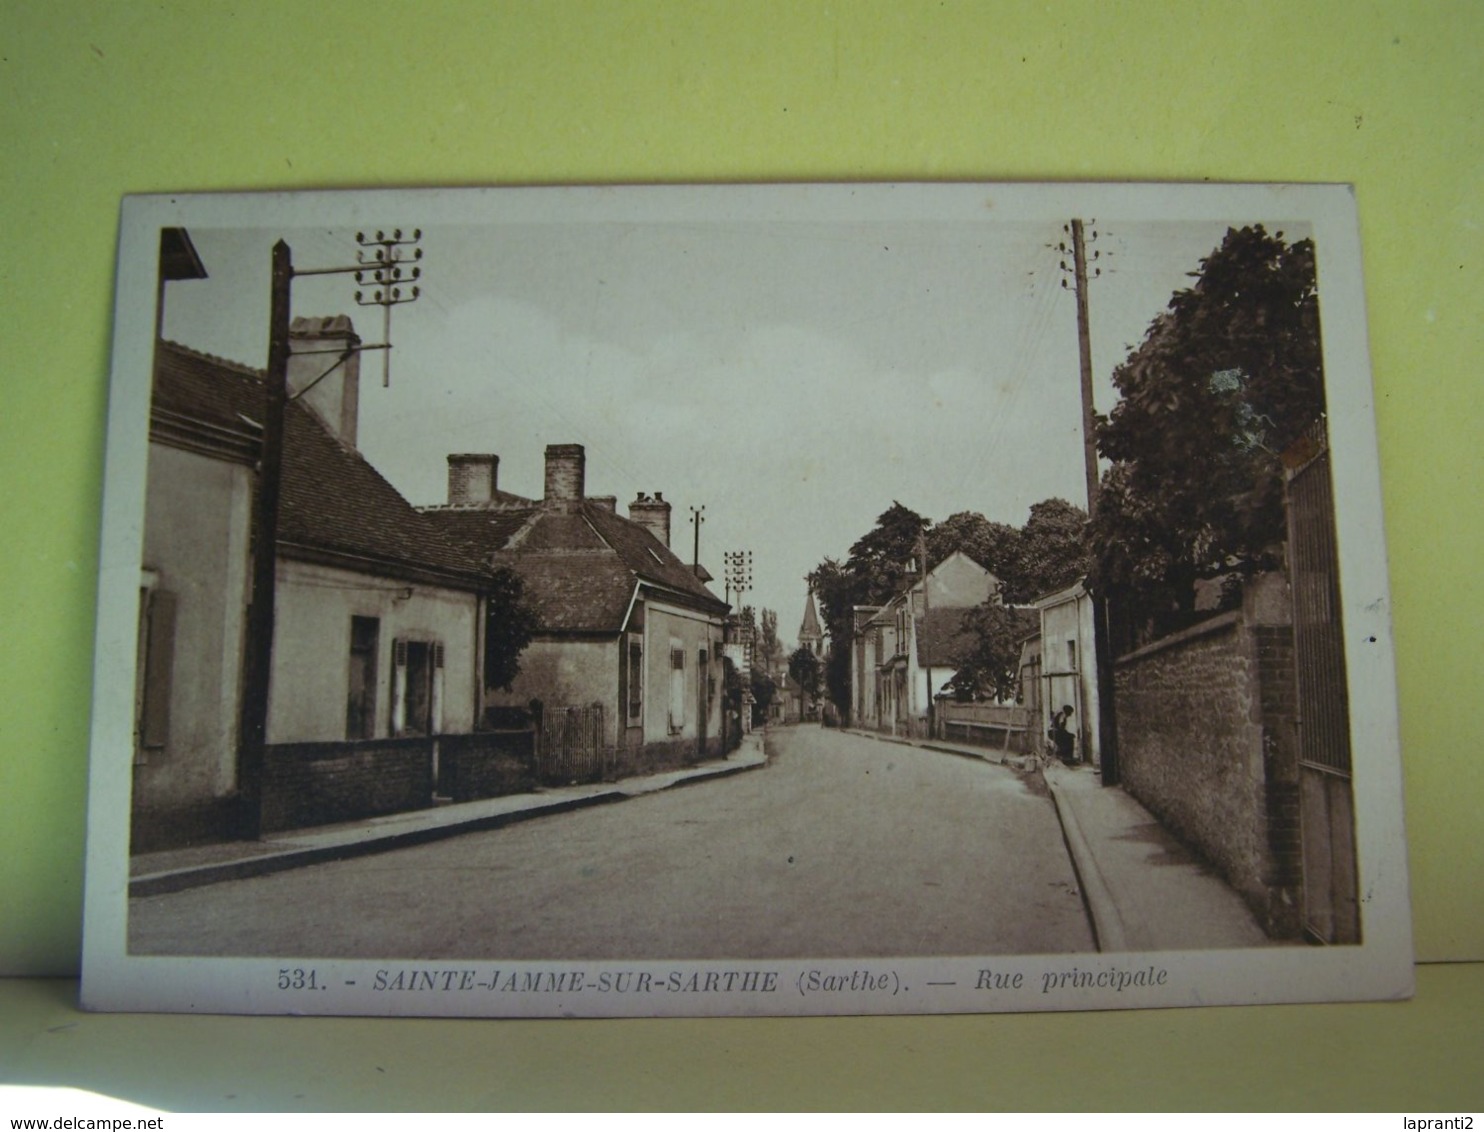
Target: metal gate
570,746
1326,804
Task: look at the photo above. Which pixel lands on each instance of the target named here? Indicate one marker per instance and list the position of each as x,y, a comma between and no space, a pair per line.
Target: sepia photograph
792,599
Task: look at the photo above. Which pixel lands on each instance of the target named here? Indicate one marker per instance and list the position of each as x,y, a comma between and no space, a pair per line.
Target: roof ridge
216,359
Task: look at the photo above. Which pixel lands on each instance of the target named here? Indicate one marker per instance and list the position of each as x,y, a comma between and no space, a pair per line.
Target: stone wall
307,784
487,764
1207,742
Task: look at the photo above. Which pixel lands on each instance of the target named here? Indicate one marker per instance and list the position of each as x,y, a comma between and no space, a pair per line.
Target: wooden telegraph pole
380,266
1101,644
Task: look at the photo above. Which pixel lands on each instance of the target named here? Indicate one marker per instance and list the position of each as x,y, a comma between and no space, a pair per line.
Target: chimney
606,502
315,345
653,513
472,478
565,468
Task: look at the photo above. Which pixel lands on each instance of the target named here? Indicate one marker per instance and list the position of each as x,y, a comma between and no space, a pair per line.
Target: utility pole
737,570
697,517
1084,350
258,661
1101,645
379,265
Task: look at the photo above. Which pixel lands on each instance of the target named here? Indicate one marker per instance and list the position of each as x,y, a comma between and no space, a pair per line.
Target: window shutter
399,687
677,688
159,668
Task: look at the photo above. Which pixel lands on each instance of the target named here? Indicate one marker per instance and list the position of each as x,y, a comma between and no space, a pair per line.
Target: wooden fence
570,746
1004,727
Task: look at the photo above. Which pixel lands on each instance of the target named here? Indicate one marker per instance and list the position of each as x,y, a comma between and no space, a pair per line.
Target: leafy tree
804,667
992,667
509,624
1049,552
769,647
763,690
1225,379
995,546
837,589
879,558
1052,551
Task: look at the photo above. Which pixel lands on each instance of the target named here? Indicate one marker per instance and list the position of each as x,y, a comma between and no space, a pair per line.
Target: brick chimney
606,502
473,478
314,347
566,466
653,513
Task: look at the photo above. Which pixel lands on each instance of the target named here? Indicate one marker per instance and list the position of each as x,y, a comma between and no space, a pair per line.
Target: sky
794,378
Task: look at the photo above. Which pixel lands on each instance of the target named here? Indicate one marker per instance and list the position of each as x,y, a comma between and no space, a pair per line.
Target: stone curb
1107,924
197,876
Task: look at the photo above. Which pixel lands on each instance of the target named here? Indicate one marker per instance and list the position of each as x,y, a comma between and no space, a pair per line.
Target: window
635,676
360,707
155,675
677,687
1071,656
417,687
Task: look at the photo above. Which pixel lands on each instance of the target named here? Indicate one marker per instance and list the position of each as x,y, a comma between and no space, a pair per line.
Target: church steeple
811,636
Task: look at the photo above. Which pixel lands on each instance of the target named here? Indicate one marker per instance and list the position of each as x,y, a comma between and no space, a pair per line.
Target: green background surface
98,100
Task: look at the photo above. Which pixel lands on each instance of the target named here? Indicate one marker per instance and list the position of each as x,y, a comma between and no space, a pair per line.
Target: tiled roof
580,564
332,499
943,641
479,529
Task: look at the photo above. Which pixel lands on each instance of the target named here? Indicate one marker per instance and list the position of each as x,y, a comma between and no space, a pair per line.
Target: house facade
378,618
626,630
905,652
1066,670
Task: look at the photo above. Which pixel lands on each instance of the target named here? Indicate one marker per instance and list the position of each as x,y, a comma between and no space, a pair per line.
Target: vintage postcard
747,600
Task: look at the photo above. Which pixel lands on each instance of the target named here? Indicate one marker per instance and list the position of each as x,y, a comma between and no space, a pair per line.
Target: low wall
487,764
657,757
306,784
1207,742
1001,727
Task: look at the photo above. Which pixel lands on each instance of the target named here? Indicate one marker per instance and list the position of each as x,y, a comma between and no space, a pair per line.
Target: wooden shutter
677,687
159,669
399,687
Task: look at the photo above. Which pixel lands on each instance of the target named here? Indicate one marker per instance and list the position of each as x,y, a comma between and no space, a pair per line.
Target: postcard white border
1379,968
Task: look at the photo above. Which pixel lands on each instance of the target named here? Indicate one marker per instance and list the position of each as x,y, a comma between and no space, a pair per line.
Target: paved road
841,846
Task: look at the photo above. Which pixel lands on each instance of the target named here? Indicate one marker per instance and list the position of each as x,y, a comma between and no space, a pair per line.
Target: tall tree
1052,551
992,665
769,647
880,557
1225,379
803,666
995,546
509,624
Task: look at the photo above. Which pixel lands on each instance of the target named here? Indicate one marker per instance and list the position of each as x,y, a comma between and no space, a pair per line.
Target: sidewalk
152,874
1144,891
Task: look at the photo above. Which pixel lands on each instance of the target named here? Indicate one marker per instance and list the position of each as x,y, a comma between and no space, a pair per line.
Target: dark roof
478,528
333,501
178,256
943,641
580,562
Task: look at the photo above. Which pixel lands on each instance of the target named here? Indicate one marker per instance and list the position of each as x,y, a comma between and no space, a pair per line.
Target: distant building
1067,672
376,642
811,636
907,651
625,627
377,619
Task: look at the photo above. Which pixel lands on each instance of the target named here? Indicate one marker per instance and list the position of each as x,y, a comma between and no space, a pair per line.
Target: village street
841,846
